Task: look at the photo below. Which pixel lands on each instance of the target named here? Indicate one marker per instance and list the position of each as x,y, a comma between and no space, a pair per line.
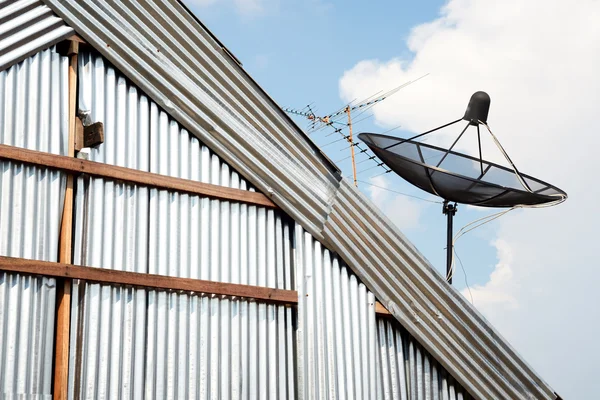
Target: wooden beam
63,298
159,282
78,166
136,279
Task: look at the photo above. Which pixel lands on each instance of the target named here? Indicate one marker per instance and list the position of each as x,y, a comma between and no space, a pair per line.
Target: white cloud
403,211
494,294
539,61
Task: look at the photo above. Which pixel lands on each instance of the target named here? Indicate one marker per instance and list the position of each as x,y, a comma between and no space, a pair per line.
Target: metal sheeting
26,27
336,326
178,64
405,370
193,79
33,115
438,316
108,324
134,343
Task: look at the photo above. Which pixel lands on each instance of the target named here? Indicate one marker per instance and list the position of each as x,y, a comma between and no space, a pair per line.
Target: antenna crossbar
319,122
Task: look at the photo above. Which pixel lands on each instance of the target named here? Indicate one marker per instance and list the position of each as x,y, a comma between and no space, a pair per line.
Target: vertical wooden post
351,144
63,300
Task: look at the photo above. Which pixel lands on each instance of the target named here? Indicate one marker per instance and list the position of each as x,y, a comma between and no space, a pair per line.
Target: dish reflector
459,177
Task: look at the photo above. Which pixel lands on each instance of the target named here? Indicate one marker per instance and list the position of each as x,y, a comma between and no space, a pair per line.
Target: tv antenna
460,178
334,120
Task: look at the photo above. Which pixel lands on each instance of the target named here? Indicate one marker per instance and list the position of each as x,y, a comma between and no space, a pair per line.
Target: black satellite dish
458,177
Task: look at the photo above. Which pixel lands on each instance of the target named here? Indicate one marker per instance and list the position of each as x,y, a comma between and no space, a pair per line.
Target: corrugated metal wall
133,343
33,115
336,326
343,351
407,371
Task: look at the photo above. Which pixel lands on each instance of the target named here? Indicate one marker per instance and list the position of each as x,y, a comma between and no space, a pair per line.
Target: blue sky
533,273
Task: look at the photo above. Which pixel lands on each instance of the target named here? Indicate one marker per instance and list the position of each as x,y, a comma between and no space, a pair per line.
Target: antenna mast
328,120
349,112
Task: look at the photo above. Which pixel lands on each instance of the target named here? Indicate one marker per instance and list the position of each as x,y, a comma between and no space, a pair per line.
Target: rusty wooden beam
78,166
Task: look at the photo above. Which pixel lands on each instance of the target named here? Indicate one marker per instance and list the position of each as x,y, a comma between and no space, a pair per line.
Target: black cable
464,272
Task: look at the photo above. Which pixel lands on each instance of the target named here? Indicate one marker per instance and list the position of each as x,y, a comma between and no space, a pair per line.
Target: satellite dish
460,178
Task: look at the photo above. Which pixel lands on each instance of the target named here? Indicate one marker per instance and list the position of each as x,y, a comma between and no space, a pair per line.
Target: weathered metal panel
26,27
135,343
405,370
336,326
33,115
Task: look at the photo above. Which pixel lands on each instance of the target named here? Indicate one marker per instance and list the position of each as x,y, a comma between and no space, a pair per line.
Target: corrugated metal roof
164,51
26,27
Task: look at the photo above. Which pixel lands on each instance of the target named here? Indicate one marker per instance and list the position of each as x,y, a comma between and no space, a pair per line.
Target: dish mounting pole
449,210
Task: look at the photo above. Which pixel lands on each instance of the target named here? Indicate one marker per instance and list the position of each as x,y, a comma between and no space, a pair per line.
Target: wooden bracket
88,136
93,134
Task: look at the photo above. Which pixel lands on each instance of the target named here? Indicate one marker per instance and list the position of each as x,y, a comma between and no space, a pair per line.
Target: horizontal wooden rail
109,276
137,279
77,166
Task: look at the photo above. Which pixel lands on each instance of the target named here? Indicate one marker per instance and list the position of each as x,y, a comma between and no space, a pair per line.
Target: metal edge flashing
297,180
